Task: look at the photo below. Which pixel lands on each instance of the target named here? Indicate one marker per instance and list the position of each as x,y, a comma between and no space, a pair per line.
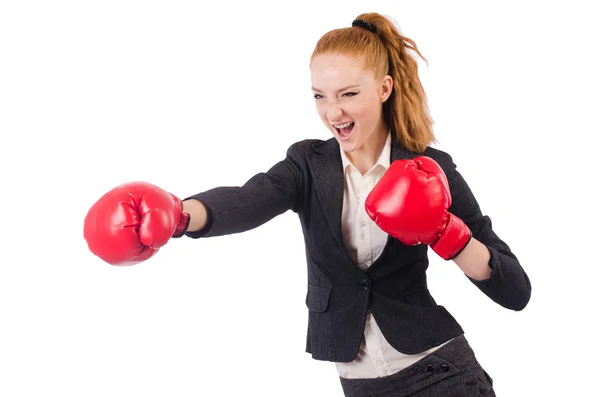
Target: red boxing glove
411,203
130,223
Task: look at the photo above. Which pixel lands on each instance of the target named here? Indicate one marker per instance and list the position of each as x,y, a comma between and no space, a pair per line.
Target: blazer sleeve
236,209
508,285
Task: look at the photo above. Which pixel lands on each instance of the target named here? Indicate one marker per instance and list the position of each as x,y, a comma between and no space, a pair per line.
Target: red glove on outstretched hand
131,222
411,203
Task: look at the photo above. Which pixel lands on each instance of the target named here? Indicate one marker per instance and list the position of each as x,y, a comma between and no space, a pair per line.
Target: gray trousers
450,371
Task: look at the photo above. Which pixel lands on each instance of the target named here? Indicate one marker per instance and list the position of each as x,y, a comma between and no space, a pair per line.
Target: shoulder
444,159
457,183
305,147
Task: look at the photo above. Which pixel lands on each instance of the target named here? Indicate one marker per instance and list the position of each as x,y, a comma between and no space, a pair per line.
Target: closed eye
350,93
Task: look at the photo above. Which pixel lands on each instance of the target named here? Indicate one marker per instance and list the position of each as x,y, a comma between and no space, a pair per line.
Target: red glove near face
411,203
130,223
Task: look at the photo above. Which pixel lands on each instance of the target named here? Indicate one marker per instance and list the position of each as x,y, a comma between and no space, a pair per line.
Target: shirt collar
383,160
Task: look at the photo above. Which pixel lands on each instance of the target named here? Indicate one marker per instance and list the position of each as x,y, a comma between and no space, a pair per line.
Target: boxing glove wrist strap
184,219
453,240
182,225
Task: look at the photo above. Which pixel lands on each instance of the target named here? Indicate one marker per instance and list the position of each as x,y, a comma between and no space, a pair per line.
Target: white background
189,97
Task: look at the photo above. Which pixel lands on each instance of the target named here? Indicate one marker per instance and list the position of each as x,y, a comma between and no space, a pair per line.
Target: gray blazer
310,182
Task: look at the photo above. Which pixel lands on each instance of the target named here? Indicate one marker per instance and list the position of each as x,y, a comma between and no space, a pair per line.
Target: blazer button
364,283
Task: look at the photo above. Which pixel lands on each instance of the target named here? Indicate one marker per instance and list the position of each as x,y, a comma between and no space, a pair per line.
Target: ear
385,90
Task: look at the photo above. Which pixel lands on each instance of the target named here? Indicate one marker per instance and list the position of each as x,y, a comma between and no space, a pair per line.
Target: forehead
329,70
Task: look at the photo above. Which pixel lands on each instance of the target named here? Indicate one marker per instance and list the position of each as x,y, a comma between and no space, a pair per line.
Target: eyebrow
341,89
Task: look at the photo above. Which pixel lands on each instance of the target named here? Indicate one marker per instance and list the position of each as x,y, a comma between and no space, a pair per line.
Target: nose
334,112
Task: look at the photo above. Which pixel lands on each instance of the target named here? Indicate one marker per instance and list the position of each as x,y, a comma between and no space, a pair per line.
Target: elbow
520,301
520,306
525,295
521,292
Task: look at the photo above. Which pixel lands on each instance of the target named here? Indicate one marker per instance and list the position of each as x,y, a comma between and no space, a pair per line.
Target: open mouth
345,130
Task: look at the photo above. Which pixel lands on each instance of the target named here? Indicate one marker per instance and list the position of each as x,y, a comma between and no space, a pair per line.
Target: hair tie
364,24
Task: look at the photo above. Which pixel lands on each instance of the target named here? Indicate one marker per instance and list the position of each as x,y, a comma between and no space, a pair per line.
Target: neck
365,158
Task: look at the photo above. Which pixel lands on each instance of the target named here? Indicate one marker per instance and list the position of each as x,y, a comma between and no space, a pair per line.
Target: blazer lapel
328,175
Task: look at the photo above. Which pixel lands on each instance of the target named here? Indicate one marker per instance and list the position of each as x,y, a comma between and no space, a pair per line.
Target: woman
371,201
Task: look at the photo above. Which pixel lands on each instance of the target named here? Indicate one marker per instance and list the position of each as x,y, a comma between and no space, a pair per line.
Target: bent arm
505,281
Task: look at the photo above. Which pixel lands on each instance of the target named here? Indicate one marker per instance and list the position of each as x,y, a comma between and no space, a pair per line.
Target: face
349,100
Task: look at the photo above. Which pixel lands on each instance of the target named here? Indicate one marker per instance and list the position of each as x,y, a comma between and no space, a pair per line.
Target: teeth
348,124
